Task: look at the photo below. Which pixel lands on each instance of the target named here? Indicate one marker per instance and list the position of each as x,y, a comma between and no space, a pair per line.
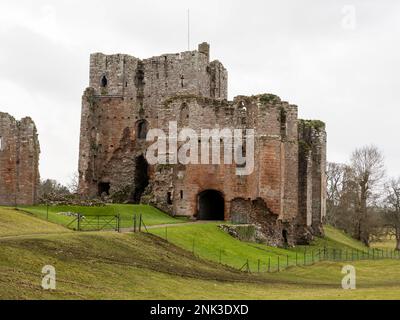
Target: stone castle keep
284,196
19,161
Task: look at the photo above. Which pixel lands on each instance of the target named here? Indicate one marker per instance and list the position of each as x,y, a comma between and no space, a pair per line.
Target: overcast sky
311,53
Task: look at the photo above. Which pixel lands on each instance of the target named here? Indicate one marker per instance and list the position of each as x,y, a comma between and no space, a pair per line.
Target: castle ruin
285,194
19,161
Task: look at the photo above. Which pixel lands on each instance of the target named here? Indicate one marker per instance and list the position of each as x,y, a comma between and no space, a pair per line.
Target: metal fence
96,223
294,258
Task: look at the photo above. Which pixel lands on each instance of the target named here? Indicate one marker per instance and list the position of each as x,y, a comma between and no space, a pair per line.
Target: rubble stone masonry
19,161
284,196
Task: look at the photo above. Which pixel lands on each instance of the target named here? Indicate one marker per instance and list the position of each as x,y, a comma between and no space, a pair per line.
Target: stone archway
211,206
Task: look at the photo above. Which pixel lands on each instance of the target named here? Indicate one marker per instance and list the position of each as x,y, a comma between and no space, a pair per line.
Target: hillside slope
209,242
108,265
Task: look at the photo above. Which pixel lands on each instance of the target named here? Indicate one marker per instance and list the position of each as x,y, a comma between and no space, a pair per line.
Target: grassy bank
58,214
106,265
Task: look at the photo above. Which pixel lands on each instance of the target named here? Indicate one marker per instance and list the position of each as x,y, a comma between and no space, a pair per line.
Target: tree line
361,199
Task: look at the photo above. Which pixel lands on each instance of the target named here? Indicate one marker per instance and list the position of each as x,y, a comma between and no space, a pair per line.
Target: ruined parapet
312,175
19,161
149,80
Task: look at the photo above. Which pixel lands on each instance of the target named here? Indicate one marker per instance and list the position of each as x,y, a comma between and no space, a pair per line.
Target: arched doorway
211,206
141,178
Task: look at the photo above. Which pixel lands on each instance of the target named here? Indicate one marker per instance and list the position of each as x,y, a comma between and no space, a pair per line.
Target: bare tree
50,188
367,168
392,208
335,182
73,184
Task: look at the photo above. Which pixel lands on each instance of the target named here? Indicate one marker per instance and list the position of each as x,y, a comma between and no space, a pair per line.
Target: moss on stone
313,124
304,146
268,98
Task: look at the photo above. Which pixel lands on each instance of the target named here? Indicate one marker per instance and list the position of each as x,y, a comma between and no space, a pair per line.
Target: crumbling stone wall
312,173
19,161
283,196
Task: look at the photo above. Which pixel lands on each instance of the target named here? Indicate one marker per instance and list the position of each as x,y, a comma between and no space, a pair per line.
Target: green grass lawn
209,242
13,224
108,265
151,215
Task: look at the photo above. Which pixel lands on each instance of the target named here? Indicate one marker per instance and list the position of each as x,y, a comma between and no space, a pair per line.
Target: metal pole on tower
188,19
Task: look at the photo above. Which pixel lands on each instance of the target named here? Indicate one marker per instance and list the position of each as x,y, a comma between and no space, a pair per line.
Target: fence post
134,223
79,222
47,210
279,269
119,223
312,257
140,223
269,264
296,259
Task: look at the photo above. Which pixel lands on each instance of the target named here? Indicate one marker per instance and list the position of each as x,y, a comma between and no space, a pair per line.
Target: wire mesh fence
295,258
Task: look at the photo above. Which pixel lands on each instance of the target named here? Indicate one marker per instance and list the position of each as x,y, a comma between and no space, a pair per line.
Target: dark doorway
211,206
141,178
285,237
104,188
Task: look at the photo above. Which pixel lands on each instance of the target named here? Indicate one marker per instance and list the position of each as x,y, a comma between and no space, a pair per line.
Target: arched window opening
184,115
241,156
142,128
283,118
104,81
169,198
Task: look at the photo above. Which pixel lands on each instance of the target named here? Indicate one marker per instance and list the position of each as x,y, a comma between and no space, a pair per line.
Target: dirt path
123,230
33,235
174,225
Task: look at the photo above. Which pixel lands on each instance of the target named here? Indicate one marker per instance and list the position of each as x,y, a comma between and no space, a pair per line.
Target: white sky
303,51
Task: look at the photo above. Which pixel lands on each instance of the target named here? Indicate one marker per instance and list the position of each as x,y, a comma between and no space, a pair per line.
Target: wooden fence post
278,264
79,222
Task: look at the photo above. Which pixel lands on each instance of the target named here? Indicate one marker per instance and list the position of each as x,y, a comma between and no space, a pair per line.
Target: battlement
189,72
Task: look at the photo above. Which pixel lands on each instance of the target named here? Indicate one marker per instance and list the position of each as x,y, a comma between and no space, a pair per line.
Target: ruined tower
19,161
284,195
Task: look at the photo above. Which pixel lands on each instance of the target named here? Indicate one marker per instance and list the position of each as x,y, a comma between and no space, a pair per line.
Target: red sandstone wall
19,161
